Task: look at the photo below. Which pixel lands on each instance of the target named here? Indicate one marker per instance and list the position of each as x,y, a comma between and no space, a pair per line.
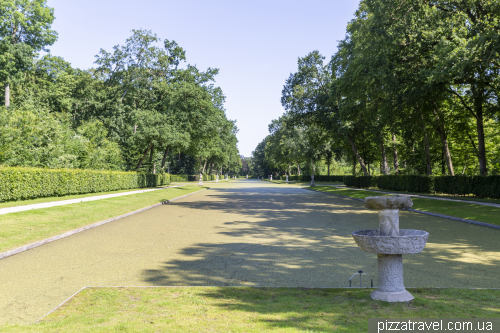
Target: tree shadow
297,238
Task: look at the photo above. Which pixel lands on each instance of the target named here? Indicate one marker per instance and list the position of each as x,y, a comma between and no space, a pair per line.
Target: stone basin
409,241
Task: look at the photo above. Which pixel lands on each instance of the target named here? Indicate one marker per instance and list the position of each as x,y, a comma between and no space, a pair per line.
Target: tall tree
24,30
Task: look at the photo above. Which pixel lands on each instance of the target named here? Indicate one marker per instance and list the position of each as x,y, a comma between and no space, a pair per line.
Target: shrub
19,183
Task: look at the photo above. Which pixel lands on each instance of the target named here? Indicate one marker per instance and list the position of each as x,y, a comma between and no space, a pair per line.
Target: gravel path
240,233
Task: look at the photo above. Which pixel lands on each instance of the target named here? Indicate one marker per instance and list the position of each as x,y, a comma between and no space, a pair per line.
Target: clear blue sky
255,44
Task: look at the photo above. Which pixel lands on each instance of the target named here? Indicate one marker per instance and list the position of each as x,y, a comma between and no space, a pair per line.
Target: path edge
21,249
482,224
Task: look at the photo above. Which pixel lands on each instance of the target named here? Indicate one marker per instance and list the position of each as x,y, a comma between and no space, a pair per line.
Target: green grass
463,210
22,228
246,309
444,196
65,197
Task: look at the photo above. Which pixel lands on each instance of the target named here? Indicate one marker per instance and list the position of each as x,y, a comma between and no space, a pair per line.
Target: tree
24,30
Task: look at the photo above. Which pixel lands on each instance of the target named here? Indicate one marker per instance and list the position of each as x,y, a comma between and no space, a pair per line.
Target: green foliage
409,183
34,137
331,178
481,186
17,183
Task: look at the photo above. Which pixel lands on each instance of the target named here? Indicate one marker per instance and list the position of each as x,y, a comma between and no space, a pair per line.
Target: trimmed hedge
19,183
409,183
481,186
331,178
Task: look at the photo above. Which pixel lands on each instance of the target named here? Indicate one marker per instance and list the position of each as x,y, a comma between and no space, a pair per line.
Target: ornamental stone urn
312,181
216,178
390,243
200,181
271,177
287,178
247,177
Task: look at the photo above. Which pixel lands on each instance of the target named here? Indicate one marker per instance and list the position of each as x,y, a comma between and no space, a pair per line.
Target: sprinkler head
360,272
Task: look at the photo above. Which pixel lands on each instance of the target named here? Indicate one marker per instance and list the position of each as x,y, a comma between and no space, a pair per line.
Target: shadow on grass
326,310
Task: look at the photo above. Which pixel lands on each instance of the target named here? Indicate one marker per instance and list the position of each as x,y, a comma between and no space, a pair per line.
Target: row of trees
139,109
413,88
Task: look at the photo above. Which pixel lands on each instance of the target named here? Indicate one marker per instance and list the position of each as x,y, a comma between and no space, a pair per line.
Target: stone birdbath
271,177
216,178
287,178
390,243
200,181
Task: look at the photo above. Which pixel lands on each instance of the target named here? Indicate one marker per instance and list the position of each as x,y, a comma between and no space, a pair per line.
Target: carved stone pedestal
390,243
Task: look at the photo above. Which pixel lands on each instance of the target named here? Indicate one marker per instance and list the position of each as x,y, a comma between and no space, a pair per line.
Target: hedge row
18,183
481,186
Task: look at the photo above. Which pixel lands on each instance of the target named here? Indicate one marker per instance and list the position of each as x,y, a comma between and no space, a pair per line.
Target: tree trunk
144,155
356,153
289,169
384,159
7,95
211,168
314,168
441,129
395,154
298,168
427,149
151,155
204,166
328,166
354,161
164,160
478,106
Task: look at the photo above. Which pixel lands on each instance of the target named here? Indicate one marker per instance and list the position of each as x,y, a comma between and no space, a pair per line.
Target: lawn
247,309
5,204
463,210
22,228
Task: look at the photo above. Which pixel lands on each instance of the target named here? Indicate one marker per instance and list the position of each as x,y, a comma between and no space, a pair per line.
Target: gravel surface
245,232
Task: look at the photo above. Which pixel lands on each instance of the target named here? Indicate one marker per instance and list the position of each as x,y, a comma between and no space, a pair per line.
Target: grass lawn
22,228
463,210
5,204
246,309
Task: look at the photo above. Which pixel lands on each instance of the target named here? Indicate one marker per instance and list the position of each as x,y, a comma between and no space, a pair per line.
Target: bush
409,183
179,178
481,186
326,178
18,183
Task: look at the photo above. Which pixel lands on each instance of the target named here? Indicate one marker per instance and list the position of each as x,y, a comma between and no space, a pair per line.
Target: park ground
243,234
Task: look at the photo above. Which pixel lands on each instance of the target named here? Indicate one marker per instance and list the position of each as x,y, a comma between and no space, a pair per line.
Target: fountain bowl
409,241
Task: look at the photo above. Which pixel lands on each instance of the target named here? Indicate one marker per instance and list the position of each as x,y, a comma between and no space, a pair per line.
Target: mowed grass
462,210
22,228
246,309
5,204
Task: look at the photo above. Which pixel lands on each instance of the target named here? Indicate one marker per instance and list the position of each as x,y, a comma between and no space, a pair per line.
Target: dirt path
241,233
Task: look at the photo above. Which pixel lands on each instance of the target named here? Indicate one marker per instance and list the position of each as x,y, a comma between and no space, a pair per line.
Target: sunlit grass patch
246,309
463,210
22,228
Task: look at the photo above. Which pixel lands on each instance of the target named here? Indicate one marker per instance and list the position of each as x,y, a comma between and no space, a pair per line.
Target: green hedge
481,186
18,183
409,183
331,178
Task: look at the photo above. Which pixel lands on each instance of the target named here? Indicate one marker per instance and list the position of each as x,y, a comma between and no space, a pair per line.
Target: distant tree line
412,89
138,109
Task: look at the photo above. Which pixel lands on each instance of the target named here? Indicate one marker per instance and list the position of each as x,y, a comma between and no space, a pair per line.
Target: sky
255,44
